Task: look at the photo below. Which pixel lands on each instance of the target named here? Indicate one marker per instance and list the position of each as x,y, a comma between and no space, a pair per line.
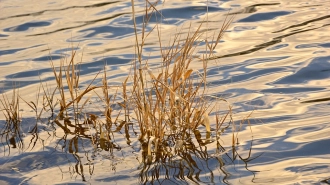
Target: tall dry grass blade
48,98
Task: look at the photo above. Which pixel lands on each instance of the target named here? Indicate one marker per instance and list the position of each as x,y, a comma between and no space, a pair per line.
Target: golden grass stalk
48,98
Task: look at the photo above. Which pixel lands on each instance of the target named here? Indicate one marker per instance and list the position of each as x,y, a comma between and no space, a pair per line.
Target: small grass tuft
11,131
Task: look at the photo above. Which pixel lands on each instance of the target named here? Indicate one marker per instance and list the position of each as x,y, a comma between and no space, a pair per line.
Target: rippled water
274,59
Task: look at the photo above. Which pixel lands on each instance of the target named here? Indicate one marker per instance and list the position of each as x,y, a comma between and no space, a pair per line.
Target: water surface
274,59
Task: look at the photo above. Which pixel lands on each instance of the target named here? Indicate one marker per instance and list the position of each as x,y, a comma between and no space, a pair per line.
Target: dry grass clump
172,102
69,71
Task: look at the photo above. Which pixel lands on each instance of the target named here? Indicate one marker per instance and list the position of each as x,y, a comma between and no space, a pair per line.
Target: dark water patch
279,150
27,74
315,168
95,44
247,73
325,45
311,148
227,69
291,90
2,35
10,51
256,102
48,58
3,63
319,52
40,160
108,32
107,60
308,149
27,26
54,10
244,28
264,16
280,46
313,71
321,45
12,179
113,179
34,160
247,76
306,129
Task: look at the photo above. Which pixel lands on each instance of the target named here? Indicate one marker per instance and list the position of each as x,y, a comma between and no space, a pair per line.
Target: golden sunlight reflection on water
274,60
